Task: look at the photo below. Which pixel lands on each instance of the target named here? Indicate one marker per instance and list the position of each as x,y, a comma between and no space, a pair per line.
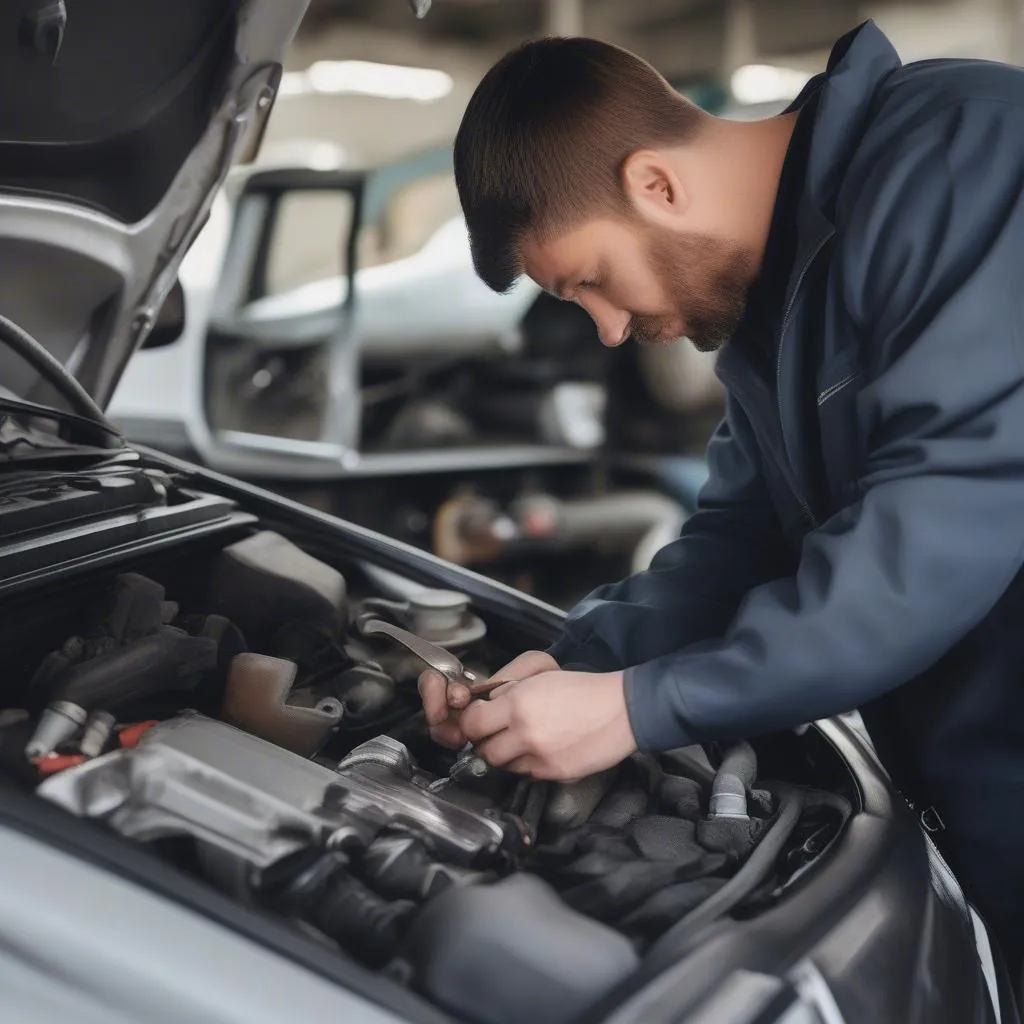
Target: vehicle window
413,213
309,239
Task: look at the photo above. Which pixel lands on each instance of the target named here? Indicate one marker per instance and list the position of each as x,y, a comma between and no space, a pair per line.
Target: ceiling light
317,154
391,81
765,83
325,156
293,83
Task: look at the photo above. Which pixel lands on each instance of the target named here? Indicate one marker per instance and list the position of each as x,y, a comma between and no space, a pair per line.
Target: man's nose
612,324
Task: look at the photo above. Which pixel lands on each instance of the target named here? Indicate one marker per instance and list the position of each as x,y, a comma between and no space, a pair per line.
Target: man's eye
587,284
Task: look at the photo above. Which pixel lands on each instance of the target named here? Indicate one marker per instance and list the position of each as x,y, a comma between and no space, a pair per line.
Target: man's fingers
484,718
526,764
532,663
448,734
454,717
458,696
433,692
501,748
498,691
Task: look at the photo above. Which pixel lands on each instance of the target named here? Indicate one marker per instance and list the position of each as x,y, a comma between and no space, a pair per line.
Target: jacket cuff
562,649
568,656
652,706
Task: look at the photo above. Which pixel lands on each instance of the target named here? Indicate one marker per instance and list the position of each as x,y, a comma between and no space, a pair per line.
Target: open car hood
120,121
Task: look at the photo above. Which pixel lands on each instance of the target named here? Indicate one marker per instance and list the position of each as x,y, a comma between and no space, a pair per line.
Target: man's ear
652,185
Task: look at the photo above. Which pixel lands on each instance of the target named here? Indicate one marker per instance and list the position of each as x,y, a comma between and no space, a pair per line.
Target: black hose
317,887
757,867
54,371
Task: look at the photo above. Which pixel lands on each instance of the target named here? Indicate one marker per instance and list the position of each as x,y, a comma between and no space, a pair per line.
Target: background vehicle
337,332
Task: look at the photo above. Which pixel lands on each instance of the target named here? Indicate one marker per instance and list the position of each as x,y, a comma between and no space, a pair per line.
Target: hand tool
463,685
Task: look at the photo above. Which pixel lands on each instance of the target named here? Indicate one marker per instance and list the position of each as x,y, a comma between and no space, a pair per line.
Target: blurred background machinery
339,348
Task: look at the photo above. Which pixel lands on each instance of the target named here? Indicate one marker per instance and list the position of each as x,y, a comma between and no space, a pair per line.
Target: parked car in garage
218,800
336,331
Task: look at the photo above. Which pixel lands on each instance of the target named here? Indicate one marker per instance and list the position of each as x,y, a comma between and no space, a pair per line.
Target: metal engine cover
193,775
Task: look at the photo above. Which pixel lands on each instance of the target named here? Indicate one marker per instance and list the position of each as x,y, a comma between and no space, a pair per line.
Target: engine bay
232,710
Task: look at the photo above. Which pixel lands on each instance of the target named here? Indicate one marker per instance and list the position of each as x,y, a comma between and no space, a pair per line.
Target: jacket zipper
943,879
804,505
946,882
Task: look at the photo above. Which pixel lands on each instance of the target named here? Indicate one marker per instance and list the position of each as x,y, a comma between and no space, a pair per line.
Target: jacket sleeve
930,271
694,585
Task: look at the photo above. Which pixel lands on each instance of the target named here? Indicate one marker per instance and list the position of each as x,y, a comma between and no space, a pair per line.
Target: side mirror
171,322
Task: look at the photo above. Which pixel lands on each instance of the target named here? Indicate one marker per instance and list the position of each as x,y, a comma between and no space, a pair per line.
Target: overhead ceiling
687,40
683,38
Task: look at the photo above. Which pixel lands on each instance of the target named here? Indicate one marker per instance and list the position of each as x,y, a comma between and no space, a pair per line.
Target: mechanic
857,259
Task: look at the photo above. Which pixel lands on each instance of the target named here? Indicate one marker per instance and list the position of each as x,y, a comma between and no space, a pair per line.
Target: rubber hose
55,372
360,921
740,886
735,775
741,761
317,887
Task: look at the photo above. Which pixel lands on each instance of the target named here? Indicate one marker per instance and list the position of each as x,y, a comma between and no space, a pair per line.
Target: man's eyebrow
558,288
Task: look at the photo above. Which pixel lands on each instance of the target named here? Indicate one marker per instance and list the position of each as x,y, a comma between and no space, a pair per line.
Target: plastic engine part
265,581
256,700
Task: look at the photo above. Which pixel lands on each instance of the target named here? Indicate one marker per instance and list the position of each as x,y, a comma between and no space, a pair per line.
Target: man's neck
748,157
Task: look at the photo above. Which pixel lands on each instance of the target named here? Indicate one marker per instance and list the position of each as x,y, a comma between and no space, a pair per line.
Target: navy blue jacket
860,539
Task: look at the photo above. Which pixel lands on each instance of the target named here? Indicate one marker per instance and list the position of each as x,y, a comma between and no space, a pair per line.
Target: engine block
256,802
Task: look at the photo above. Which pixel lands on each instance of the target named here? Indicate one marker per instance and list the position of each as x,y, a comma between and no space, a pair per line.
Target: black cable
54,371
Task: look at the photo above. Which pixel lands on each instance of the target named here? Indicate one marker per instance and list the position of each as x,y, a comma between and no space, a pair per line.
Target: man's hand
444,720
553,725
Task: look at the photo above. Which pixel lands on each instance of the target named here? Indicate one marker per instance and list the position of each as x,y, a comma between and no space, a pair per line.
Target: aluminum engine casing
257,802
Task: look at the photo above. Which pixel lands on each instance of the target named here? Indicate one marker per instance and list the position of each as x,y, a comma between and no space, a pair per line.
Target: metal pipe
471,530
624,516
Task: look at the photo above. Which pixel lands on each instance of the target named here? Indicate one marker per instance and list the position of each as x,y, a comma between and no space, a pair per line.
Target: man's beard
707,282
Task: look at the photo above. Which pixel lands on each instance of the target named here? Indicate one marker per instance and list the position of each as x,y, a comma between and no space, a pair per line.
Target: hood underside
119,123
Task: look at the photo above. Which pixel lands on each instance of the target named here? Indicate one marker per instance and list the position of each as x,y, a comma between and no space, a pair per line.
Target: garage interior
440,373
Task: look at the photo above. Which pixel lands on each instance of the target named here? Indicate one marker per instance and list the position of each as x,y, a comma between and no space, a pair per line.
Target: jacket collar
857,66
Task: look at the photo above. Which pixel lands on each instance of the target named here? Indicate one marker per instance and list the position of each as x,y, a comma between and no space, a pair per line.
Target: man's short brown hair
544,138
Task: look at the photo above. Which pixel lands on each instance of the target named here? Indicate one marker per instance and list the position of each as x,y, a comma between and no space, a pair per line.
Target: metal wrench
463,685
